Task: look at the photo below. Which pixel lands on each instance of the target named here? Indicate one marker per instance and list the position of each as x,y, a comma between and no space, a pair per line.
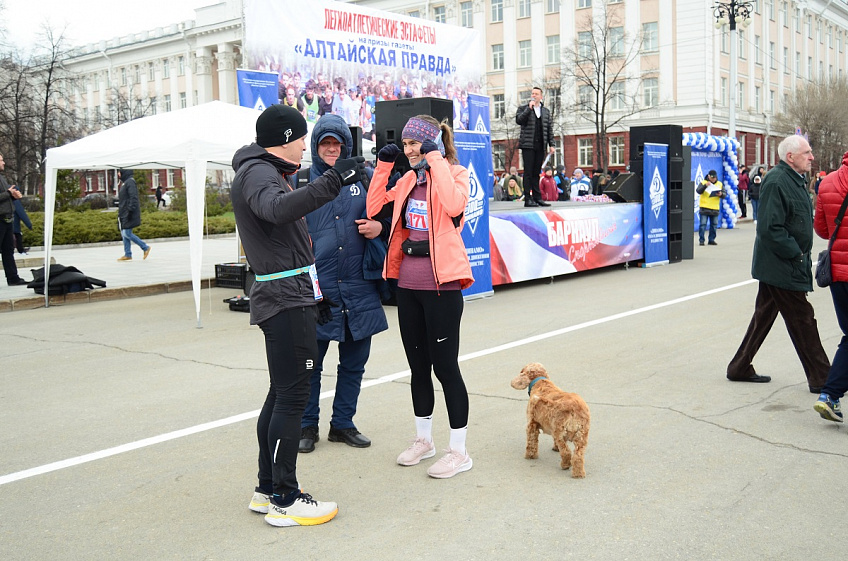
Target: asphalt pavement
130,433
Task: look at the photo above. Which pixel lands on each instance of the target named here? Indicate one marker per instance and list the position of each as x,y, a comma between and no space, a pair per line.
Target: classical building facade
678,65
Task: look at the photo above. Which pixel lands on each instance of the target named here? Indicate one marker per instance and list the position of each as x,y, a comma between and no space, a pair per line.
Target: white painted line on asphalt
70,462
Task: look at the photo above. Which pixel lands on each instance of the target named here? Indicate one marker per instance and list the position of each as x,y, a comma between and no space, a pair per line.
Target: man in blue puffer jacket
339,232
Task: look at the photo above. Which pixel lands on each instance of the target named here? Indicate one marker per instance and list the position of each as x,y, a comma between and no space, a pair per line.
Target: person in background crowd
325,103
8,194
428,204
357,311
536,140
580,185
782,264
310,102
754,195
563,184
709,205
547,185
744,181
832,191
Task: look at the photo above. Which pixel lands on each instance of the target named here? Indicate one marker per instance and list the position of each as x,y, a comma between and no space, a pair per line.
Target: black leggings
292,351
429,328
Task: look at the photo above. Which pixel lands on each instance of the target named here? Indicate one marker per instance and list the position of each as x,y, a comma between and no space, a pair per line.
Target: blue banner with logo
655,203
478,114
257,89
474,151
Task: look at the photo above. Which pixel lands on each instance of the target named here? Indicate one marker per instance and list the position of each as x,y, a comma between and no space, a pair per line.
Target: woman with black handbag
830,210
427,256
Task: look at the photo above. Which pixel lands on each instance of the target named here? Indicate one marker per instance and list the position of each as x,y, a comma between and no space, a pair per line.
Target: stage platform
567,237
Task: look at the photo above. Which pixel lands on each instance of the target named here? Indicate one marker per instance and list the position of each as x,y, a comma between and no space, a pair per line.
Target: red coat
548,188
832,192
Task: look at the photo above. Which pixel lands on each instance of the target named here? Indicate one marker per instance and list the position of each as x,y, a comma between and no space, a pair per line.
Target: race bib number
416,215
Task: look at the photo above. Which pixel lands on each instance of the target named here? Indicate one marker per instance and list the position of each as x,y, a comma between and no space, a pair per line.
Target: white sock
424,428
457,439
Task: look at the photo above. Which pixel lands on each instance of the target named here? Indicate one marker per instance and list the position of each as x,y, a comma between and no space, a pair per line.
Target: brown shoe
146,252
124,258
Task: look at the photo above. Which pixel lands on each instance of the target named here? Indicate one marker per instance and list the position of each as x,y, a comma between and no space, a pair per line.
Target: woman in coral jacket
832,192
427,257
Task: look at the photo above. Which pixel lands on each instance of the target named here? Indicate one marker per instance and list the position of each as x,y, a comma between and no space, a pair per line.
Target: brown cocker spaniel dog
563,415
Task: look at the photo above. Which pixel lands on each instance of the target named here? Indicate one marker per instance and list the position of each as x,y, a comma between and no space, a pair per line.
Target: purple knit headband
420,130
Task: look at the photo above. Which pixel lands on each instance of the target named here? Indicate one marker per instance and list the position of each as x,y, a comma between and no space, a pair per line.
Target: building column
226,73
203,60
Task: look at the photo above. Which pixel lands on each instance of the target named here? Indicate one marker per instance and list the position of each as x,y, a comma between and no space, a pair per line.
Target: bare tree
596,67
818,110
506,131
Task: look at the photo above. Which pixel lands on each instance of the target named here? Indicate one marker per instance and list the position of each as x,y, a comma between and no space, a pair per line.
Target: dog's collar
533,383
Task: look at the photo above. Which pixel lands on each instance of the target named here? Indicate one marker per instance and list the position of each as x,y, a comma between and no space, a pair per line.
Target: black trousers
800,320
532,169
291,347
429,328
7,248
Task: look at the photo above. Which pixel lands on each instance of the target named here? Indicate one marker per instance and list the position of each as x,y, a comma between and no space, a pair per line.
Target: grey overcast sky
90,21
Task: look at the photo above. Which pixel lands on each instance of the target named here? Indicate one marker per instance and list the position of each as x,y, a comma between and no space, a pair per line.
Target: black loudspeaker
688,235
658,134
356,133
687,163
626,188
675,221
390,117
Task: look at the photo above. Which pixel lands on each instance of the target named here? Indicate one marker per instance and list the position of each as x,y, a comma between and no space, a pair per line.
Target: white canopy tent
198,139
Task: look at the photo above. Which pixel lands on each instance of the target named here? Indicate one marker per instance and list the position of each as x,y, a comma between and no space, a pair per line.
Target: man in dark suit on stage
536,140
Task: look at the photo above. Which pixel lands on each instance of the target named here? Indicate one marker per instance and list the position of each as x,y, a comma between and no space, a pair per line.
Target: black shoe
543,203
308,438
700,243
351,437
18,282
816,390
711,243
530,203
755,378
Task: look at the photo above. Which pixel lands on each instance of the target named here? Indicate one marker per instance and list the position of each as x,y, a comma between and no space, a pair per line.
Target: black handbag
824,276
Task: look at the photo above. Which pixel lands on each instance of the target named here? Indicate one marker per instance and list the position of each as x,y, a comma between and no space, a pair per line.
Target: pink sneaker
450,464
419,450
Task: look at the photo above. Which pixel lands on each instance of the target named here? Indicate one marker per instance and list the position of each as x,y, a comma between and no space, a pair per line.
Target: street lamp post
733,13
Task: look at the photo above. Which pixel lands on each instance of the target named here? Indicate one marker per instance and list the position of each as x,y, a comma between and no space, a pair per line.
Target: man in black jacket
129,215
8,194
535,140
271,224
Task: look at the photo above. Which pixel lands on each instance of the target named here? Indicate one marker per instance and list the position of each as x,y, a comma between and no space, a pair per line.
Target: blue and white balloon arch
727,147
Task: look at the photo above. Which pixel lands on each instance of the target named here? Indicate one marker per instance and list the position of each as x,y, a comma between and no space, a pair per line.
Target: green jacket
784,231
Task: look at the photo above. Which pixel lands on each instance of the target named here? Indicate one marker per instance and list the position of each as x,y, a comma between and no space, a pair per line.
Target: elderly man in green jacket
783,265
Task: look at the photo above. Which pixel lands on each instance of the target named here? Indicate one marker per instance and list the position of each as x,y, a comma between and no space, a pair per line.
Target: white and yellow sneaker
304,511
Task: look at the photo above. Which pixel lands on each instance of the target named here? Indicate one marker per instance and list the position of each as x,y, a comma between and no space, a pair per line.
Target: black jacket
129,209
272,228
6,206
526,117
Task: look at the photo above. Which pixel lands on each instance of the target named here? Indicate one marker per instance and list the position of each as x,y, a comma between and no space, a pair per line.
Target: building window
524,8
466,14
770,9
524,54
170,178
524,97
166,68
585,98
154,180
742,43
137,70
414,14
758,56
499,156
553,49
584,45
723,91
819,35
97,80
552,6
784,14
797,20
497,11
498,106
153,103
772,60
616,35
809,27
742,142
556,158
725,41
797,64
616,151
757,99
123,76
554,99
87,190
829,37
584,3
439,14
651,92
616,96
786,60
740,95
167,103
497,57
809,68
181,66
821,70
584,152
151,73
183,103
650,37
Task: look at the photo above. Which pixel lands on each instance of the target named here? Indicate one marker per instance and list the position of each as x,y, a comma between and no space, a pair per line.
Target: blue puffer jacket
339,247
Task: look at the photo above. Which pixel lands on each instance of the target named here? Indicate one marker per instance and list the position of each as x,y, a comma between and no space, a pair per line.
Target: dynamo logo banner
474,151
655,205
257,89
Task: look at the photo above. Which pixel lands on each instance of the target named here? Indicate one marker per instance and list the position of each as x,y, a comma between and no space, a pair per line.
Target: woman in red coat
832,192
547,185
